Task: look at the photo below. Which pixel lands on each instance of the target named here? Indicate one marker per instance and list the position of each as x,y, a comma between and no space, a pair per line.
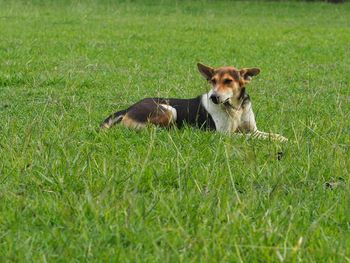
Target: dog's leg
263,135
149,112
113,119
269,136
130,122
248,126
164,115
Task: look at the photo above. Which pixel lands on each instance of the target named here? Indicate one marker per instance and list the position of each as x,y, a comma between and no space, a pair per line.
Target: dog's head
227,82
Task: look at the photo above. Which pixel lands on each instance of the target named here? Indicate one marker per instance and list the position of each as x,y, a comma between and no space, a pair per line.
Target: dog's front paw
282,138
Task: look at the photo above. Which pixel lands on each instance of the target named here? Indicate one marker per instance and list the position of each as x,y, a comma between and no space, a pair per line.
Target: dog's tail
113,119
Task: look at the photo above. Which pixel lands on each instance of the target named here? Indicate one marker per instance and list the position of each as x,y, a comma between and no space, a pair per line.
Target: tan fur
131,123
163,118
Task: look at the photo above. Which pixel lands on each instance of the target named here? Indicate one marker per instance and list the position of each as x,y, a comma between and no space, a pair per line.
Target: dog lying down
225,108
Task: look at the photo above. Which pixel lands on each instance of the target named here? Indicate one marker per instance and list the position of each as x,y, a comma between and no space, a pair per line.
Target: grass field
71,193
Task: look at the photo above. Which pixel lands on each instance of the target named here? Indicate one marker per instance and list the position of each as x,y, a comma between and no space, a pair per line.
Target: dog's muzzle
215,99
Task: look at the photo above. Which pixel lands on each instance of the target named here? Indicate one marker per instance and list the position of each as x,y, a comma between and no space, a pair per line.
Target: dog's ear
248,73
206,71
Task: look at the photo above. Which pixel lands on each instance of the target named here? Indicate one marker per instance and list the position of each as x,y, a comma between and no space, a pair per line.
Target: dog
225,108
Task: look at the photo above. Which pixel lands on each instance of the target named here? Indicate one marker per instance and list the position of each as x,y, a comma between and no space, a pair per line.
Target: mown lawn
69,193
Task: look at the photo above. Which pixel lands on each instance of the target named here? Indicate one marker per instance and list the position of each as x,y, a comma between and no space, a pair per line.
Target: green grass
70,193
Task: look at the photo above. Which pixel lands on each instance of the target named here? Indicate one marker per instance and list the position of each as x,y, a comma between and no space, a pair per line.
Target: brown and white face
227,82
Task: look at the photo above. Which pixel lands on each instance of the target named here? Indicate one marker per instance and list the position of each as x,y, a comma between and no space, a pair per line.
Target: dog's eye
213,81
227,81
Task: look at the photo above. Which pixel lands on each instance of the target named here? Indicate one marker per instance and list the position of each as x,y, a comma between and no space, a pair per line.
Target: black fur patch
244,97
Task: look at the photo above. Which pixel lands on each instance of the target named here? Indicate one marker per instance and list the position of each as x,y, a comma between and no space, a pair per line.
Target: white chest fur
230,120
226,120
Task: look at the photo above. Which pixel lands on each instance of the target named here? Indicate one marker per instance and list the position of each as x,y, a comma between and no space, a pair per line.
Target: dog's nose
214,99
